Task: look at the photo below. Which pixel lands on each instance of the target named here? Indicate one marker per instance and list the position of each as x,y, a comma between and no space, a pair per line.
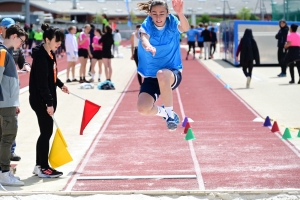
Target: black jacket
42,88
19,58
281,36
248,48
206,34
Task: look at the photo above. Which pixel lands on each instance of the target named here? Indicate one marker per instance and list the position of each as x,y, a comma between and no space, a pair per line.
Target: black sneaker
14,157
292,81
49,173
74,80
68,80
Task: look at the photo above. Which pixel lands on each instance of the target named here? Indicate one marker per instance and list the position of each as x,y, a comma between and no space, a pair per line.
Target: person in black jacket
43,82
249,52
281,37
214,41
107,42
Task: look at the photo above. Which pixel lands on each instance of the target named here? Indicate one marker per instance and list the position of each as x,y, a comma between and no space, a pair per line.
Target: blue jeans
13,147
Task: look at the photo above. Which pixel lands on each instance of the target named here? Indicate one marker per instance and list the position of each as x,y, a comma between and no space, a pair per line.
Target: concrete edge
155,192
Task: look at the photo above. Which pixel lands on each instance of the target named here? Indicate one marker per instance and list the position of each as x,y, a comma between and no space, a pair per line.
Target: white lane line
94,144
192,149
137,177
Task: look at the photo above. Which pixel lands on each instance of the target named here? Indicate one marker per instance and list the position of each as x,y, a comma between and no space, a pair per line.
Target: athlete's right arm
146,44
132,45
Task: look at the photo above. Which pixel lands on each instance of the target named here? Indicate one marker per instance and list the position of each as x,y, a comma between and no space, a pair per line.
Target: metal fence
288,10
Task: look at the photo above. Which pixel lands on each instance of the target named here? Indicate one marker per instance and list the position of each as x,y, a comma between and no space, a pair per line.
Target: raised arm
178,8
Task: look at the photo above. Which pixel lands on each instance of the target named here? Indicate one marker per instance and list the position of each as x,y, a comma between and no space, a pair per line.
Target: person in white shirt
134,49
117,39
72,52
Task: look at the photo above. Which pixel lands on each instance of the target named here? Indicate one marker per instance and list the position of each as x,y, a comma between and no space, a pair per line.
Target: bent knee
143,110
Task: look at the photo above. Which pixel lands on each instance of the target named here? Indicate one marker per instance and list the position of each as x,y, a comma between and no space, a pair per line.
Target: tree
254,17
244,13
98,18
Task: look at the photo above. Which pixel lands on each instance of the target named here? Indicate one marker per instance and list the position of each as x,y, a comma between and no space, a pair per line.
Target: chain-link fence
285,9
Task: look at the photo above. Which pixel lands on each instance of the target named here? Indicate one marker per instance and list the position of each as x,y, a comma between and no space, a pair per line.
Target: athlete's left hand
178,6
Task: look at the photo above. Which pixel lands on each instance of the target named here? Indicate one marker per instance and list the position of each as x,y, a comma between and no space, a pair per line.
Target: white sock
170,111
93,75
99,77
161,112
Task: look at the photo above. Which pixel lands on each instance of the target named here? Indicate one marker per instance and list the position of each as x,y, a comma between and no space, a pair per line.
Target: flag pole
55,121
77,96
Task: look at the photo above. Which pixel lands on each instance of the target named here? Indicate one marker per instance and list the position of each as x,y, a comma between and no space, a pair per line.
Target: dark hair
192,26
99,31
147,6
50,32
117,30
15,29
212,28
248,34
138,26
92,26
105,16
201,24
294,27
108,29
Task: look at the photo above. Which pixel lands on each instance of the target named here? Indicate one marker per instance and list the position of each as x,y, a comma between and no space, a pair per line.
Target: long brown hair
147,6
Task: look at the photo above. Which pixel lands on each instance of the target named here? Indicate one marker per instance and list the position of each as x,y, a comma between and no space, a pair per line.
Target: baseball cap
7,22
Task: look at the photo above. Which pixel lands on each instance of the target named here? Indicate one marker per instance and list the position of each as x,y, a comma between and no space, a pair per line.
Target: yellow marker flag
59,154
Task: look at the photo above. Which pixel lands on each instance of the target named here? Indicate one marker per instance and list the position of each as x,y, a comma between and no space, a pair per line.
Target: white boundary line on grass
95,142
192,150
287,143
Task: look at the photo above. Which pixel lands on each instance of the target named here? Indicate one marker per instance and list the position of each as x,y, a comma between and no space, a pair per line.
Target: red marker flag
90,109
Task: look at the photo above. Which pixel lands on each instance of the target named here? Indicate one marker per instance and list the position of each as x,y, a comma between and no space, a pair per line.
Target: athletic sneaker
36,170
173,123
8,179
49,173
248,82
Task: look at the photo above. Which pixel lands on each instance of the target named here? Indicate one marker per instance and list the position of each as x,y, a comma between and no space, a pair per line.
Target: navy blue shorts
151,86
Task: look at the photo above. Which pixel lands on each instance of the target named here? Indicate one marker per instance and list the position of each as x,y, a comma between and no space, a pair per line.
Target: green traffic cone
298,133
190,135
287,135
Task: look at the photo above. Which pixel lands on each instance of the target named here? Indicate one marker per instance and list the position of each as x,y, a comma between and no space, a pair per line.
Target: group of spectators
43,81
206,38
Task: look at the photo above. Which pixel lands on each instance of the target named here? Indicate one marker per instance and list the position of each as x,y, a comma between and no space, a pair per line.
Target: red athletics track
231,151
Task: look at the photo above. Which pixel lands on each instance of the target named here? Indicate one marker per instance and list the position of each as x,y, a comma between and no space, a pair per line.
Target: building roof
118,7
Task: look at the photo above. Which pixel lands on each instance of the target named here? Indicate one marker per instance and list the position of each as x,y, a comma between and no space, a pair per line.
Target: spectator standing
206,34
97,56
72,53
281,51
9,101
293,53
117,41
38,37
43,82
191,37
134,49
105,22
84,51
107,42
200,39
214,42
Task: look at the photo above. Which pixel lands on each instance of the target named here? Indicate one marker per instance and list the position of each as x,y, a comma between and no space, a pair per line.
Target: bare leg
73,69
82,61
100,66
165,79
145,105
68,69
105,62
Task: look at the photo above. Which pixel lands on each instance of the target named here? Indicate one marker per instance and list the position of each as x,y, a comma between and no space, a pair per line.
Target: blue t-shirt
167,44
191,35
200,38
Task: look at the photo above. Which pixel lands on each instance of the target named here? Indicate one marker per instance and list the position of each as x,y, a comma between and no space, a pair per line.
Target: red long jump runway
62,64
231,151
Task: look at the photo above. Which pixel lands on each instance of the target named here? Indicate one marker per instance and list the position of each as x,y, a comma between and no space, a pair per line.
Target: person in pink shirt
293,54
97,55
84,51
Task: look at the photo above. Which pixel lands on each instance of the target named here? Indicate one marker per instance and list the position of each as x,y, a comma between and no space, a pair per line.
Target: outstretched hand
151,49
178,6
